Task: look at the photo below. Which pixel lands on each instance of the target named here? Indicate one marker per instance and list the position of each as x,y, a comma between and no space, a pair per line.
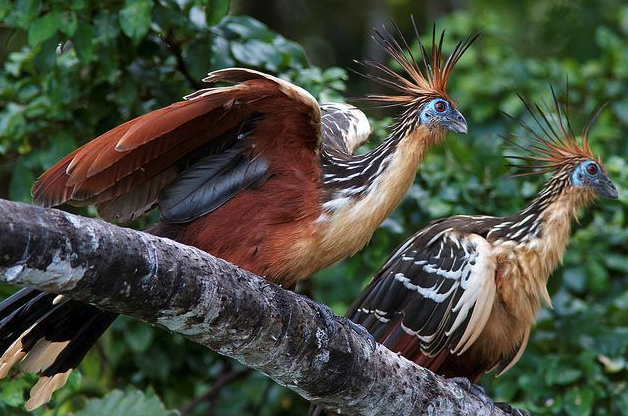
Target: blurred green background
72,69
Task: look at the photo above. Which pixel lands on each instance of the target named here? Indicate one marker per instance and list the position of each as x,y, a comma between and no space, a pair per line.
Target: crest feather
552,142
427,79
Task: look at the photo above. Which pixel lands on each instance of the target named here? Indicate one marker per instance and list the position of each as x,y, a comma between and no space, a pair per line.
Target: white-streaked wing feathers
442,285
344,127
478,293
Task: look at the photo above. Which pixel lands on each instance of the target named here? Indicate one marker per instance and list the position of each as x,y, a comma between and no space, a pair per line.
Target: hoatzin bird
460,296
257,173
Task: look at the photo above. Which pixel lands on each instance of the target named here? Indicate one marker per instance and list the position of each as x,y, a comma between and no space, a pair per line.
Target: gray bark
292,339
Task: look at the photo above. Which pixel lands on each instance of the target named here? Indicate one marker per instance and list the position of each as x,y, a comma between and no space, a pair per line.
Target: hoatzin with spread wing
256,173
461,295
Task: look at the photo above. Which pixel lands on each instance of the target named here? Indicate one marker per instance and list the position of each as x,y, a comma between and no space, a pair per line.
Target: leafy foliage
130,403
71,70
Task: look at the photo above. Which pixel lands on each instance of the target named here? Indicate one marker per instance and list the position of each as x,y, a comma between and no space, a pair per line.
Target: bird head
555,148
438,113
423,92
589,174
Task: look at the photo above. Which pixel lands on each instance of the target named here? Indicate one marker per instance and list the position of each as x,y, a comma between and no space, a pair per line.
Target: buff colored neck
537,257
556,221
348,227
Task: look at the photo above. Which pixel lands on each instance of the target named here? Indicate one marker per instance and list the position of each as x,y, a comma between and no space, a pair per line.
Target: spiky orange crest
426,81
553,144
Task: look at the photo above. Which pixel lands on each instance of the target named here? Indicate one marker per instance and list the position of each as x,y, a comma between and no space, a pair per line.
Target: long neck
537,236
550,213
362,190
348,179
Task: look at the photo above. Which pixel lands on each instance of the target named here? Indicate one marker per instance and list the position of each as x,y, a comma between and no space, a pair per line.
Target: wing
433,296
344,128
191,156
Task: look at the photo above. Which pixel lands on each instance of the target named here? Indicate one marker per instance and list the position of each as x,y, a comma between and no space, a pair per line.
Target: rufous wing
124,170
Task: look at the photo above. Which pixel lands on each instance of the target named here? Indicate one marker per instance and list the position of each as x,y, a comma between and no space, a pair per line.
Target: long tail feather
48,335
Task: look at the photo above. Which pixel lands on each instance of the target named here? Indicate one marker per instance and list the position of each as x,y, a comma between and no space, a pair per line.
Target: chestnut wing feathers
163,154
437,290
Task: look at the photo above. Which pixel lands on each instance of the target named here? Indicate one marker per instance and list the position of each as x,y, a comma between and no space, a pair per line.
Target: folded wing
433,296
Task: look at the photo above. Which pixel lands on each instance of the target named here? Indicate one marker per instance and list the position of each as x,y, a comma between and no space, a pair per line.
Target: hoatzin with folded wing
461,295
256,173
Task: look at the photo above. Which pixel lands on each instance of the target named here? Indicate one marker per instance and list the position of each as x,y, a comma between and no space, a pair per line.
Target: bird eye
592,168
440,106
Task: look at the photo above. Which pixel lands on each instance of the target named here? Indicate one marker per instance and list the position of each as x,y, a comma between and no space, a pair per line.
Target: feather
49,334
209,183
435,294
424,83
138,200
133,154
553,144
344,128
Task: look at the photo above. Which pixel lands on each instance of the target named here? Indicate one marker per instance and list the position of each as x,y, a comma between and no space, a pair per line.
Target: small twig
260,406
225,377
175,47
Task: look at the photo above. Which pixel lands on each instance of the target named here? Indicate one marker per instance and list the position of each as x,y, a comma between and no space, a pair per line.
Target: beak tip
460,128
609,191
456,123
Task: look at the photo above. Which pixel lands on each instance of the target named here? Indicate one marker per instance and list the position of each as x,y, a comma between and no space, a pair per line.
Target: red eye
440,106
592,168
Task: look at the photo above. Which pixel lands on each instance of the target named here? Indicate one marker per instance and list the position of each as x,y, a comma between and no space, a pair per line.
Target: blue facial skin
438,113
588,173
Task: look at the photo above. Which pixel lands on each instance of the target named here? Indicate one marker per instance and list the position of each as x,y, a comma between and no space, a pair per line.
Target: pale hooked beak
455,122
606,188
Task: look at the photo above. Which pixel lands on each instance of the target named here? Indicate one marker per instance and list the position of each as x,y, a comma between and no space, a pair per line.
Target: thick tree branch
295,341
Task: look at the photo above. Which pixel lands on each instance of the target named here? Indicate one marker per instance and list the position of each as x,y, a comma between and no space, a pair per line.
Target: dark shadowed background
70,70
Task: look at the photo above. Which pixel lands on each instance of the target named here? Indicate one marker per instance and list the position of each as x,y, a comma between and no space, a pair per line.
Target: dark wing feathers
109,170
209,183
425,299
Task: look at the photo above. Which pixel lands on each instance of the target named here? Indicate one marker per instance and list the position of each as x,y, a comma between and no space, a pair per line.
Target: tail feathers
48,335
41,393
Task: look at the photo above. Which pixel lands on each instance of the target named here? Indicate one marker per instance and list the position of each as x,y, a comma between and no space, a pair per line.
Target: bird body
507,283
461,296
254,172
306,236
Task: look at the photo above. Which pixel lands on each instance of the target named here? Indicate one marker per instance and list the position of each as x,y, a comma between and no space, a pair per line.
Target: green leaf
247,27
256,53
13,392
598,277
135,18
106,28
45,60
579,401
43,28
5,6
139,337
83,41
132,402
215,11
68,23
25,11
21,181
